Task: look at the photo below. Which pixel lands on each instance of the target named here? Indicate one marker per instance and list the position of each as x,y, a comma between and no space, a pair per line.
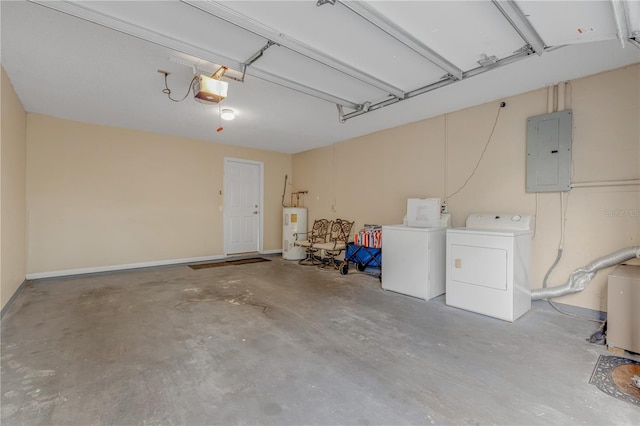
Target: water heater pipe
561,96
581,277
605,183
284,190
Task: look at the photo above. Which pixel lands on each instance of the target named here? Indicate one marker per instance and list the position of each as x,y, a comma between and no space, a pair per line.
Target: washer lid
500,221
412,228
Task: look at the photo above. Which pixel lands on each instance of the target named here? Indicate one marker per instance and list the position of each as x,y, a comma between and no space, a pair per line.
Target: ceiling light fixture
228,114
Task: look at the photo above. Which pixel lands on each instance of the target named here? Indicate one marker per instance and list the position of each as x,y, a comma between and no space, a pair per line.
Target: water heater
294,219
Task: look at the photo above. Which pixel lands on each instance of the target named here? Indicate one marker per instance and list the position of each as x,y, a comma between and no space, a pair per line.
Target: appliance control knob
516,218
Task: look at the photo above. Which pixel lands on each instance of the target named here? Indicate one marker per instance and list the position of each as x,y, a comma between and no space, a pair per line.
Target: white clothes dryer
488,265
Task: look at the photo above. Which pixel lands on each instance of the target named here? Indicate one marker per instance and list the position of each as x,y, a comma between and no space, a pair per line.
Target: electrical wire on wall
333,178
535,226
563,218
486,145
564,200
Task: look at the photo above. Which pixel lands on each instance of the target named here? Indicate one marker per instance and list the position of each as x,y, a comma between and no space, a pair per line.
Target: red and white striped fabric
368,237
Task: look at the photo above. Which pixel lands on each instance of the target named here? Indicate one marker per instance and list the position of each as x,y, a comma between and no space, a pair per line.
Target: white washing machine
488,265
413,260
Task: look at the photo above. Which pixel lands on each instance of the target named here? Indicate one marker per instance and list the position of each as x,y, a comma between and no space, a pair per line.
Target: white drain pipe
581,277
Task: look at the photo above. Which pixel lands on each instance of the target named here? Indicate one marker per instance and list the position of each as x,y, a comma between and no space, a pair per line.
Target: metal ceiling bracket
442,83
521,24
487,61
258,54
254,58
242,21
527,49
620,15
363,10
340,114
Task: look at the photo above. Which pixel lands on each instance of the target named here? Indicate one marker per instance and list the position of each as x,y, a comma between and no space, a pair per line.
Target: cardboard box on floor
623,310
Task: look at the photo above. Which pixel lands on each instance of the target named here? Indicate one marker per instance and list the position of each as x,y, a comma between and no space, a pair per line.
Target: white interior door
242,206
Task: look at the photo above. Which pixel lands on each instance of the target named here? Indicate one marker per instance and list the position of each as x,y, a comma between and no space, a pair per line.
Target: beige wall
368,179
13,252
101,196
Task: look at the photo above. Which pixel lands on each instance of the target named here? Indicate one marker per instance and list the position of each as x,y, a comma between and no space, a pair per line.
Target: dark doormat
613,375
229,262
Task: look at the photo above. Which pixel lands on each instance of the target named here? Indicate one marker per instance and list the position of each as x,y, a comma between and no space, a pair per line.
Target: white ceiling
98,61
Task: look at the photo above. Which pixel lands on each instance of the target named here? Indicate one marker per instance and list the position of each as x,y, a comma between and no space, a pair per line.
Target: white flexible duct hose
581,277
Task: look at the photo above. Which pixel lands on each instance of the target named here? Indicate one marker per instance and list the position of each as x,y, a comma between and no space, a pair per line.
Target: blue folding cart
366,259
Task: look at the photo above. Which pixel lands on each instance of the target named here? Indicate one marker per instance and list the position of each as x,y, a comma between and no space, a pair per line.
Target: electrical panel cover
549,152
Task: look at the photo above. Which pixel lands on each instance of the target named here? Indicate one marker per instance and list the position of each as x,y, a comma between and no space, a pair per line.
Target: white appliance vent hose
581,277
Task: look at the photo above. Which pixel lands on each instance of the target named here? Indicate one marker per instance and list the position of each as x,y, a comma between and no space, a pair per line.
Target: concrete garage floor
284,344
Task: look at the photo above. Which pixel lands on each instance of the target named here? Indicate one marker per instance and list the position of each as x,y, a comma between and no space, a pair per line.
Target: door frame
225,212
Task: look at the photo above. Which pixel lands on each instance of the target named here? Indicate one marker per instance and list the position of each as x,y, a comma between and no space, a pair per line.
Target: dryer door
477,265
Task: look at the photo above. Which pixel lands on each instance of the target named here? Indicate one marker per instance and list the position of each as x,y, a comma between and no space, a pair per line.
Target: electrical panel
549,152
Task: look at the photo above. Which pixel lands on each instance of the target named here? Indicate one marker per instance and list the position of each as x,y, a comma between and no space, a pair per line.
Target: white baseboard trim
15,295
111,268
